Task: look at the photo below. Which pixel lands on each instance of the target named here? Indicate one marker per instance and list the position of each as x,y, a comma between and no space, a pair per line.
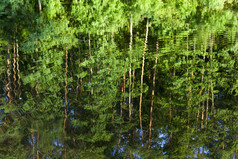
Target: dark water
118,79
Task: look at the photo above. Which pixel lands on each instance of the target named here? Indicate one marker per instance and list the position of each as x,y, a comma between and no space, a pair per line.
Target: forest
118,79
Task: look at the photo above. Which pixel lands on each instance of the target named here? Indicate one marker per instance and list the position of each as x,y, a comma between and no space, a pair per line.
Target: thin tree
142,74
90,57
8,86
133,76
207,105
14,68
189,88
211,65
65,88
153,93
39,3
224,132
202,80
119,130
65,97
130,47
18,70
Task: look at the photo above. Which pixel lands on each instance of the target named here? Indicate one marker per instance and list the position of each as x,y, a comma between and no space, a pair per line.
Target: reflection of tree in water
81,78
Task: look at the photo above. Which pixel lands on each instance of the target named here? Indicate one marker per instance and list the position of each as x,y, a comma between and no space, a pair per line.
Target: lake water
119,79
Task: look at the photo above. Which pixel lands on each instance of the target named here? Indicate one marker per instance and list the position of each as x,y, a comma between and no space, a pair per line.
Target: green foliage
76,66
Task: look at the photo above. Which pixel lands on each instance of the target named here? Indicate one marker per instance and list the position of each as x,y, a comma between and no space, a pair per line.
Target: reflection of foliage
77,54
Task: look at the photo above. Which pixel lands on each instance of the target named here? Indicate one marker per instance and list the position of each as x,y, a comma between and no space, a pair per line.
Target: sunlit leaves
98,16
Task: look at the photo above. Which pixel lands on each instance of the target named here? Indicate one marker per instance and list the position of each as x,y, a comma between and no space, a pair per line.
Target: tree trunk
122,100
207,107
189,91
18,70
8,86
65,88
14,70
133,73
211,64
119,132
90,57
153,93
66,100
223,145
203,90
124,89
39,3
130,47
142,75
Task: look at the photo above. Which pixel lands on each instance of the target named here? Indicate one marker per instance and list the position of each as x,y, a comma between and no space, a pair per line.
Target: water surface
118,79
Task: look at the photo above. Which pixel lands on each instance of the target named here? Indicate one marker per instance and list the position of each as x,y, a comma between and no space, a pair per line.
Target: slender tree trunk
133,85
14,69
89,51
65,88
191,75
203,90
122,100
199,105
153,93
123,94
187,54
189,92
170,117
8,86
203,104
133,73
223,145
119,133
207,107
187,75
211,63
207,104
66,100
37,82
18,70
170,134
79,86
40,8
142,75
130,47
124,89
90,57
